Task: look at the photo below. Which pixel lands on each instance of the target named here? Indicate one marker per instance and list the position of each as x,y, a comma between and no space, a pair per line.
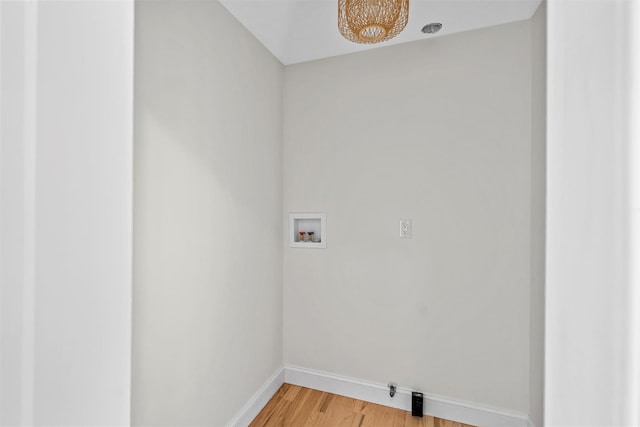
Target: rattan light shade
372,21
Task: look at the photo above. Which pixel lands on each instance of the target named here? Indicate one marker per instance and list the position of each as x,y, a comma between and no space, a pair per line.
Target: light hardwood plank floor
301,407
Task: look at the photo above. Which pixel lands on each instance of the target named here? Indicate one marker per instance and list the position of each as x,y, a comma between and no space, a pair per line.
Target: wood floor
298,406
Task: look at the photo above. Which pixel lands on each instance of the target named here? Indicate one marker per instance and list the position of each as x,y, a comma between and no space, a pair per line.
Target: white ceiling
304,30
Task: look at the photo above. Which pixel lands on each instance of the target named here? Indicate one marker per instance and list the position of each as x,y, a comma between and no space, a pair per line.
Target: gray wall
208,202
439,132
448,132
538,205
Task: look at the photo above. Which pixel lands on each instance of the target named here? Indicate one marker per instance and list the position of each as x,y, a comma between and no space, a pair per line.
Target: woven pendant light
372,21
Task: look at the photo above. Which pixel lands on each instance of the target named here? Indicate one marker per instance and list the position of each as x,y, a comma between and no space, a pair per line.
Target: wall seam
29,194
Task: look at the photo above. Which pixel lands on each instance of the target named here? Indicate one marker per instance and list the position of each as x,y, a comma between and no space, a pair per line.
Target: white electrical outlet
405,228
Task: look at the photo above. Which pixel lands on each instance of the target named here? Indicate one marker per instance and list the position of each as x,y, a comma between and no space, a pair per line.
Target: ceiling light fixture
372,21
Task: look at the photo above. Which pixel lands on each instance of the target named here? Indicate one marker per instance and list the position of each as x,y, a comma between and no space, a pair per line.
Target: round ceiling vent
432,28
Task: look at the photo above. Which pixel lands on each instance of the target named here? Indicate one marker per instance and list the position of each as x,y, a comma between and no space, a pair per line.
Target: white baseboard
259,400
435,406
